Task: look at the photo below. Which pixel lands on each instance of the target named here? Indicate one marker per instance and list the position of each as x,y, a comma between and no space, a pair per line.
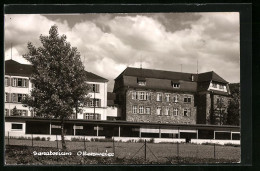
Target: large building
145,103
147,95
18,85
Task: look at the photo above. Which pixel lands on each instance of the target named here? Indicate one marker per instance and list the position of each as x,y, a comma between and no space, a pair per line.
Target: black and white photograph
122,88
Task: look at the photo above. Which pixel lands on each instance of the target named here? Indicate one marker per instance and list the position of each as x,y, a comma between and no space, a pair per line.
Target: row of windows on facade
21,82
19,112
142,95
88,116
216,85
159,111
143,83
16,97
16,82
95,88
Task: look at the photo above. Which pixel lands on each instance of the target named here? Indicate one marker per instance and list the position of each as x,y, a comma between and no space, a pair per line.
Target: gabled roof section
94,78
159,74
15,68
208,76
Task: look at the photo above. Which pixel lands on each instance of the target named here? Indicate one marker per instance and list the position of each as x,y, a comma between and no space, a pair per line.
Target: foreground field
19,151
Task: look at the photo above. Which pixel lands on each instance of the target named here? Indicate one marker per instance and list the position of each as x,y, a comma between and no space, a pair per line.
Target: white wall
102,94
20,90
12,132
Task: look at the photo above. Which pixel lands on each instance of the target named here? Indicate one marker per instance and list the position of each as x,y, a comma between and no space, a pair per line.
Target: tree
15,112
233,116
59,78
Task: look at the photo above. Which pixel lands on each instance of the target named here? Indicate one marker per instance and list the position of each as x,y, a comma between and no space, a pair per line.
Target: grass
124,152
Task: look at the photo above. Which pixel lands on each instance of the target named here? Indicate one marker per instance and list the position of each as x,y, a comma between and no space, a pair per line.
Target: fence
141,149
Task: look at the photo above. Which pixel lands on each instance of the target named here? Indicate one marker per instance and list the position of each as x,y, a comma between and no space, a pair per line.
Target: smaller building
113,110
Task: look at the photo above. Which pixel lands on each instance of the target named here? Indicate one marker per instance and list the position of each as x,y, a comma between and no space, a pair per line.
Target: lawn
155,153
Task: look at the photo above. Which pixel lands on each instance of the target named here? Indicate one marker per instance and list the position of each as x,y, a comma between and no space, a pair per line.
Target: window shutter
11,112
98,88
138,95
133,95
7,112
7,98
26,113
99,102
15,97
8,81
12,81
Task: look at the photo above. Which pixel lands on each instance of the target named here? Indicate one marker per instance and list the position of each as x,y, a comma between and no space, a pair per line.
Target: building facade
18,85
156,96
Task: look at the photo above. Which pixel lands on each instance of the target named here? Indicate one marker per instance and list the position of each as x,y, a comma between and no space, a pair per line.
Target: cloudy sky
108,43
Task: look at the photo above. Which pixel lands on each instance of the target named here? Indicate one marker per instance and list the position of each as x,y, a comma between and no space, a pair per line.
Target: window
167,111
175,98
24,83
141,83
159,111
23,96
167,97
148,110
187,99
221,86
92,116
175,112
91,103
17,126
14,82
176,85
6,112
147,96
19,82
134,95
214,85
6,81
186,112
159,97
95,88
20,97
6,96
134,109
141,109
141,95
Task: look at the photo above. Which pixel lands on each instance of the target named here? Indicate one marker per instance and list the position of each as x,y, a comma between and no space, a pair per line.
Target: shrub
48,138
43,139
151,140
37,138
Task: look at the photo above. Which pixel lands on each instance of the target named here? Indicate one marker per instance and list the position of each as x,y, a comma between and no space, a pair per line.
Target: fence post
145,149
177,149
84,144
8,138
214,151
57,141
114,151
32,140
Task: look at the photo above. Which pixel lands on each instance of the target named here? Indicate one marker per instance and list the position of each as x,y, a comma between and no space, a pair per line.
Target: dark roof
111,97
94,77
208,76
17,69
158,79
151,73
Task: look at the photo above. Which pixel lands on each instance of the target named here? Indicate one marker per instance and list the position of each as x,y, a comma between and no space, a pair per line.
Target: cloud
108,43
